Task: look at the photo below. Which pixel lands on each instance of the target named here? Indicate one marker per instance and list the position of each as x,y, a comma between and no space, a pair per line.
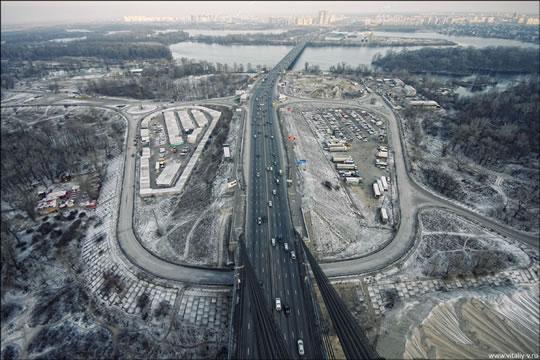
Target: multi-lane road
268,217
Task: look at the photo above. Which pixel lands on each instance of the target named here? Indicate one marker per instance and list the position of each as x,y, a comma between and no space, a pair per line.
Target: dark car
287,309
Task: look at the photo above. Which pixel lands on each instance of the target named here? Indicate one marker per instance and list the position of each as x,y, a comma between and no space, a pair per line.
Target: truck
338,148
346,166
353,180
376,190
384,183
380,185
340,158
384,216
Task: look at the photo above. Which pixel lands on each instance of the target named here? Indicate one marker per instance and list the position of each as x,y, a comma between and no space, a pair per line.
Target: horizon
50,13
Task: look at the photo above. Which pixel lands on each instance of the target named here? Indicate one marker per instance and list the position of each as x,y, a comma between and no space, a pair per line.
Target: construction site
320,86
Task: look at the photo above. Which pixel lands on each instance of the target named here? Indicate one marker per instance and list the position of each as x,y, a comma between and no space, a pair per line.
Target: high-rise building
323,17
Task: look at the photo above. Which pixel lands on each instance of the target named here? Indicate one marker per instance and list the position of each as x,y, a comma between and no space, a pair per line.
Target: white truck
341,158
376,190
384,183
346,166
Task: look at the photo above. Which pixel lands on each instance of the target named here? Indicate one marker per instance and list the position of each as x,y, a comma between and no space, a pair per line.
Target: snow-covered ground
464,324
141,109
340,227
467,312
191,224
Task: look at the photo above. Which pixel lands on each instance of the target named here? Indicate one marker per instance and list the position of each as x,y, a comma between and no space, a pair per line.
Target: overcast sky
50,12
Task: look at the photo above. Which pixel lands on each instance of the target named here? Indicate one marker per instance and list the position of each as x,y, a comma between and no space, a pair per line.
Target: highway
277,272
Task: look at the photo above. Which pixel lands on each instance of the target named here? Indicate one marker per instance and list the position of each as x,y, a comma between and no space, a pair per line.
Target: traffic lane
288,276
287,325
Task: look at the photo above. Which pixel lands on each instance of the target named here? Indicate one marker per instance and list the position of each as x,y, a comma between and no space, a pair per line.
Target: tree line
111,50
461,61
163,87
101,35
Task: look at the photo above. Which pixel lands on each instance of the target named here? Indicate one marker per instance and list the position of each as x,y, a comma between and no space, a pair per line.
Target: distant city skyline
60,12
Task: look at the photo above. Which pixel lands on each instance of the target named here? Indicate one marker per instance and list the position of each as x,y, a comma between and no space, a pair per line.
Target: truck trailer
384,216
338,149
376,190
346,166
353,180
384,183
340,158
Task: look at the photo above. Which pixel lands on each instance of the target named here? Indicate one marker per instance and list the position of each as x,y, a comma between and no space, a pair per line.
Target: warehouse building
200,118
194,136
186,121
168,175
173,131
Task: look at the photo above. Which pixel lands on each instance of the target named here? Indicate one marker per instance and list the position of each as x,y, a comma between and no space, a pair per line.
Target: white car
278,304
293,255
286,246
269,204
273,241
300,347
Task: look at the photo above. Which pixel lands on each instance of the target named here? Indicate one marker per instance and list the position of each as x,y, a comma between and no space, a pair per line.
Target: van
273,241
286,246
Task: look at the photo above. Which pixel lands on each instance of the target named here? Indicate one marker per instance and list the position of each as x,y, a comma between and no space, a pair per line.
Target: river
229,54
323,56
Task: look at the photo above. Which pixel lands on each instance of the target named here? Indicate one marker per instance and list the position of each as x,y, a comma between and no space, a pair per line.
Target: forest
44,151
461,60
100,35
498,125
110,50
166,88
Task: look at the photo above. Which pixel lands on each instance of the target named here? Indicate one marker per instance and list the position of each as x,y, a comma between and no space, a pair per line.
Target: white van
278,304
